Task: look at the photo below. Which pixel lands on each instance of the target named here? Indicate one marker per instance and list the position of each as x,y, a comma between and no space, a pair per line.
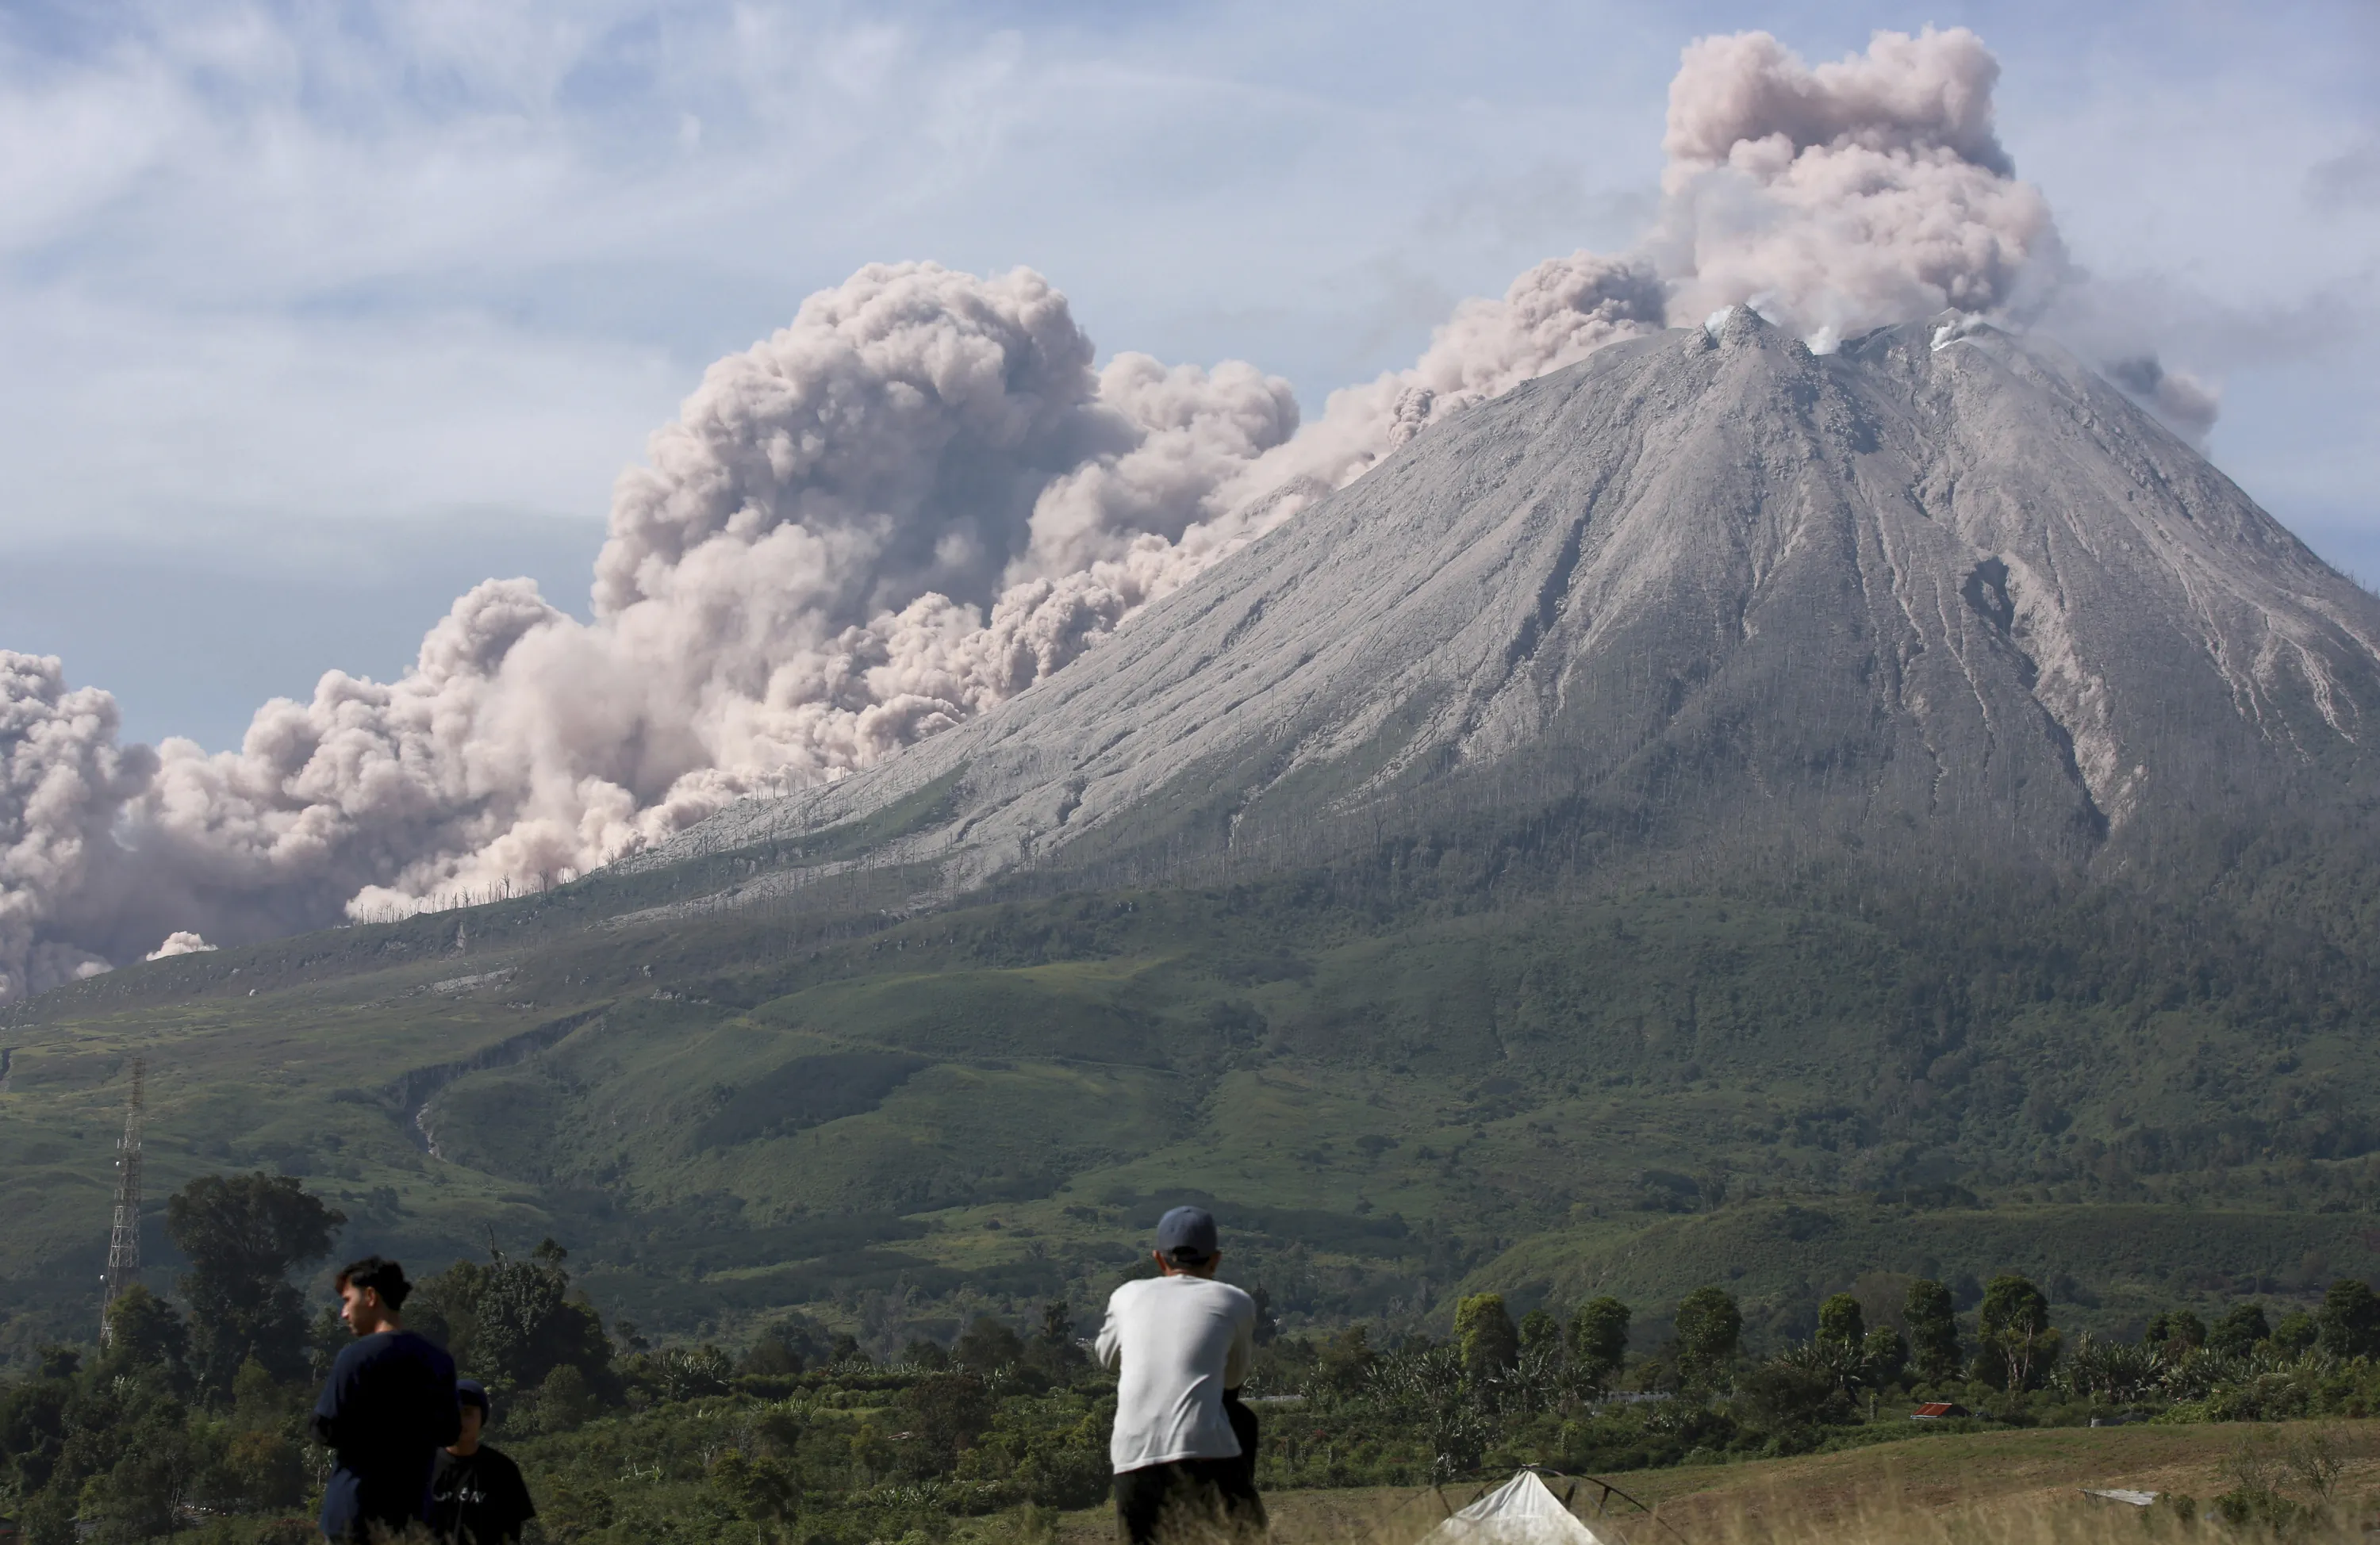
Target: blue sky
311,315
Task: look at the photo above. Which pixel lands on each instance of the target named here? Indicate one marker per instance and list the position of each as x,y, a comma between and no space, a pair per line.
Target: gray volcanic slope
1937,584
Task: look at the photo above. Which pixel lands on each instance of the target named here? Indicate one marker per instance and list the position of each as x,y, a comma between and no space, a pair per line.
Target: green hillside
1387,1084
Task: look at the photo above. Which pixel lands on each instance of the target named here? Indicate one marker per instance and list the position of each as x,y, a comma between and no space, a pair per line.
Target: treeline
189,1418
1566,1391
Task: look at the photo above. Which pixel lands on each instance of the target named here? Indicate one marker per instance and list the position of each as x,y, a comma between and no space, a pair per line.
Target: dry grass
1983,1489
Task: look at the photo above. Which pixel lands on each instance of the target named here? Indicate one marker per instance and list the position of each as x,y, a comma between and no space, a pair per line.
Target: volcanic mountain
1943,585
1712,775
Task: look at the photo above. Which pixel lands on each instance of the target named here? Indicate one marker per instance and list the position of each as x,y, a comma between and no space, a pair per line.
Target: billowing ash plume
796,585
63,780
920,498
1847,196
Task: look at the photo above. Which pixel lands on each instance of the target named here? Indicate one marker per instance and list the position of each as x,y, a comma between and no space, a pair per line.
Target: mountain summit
1941,583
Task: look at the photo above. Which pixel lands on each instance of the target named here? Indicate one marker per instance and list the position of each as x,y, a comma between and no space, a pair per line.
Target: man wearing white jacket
1183,1341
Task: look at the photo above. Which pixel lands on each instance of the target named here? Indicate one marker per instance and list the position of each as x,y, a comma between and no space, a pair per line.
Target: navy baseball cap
1186,1235
470,1392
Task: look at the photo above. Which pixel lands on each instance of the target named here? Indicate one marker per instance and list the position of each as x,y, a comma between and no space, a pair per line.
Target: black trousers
1193,1493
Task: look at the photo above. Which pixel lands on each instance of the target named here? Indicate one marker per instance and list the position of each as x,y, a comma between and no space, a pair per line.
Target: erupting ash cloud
920,498
63,779
1841,198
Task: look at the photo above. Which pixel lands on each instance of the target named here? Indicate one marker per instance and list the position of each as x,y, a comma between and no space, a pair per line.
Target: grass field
1983,1486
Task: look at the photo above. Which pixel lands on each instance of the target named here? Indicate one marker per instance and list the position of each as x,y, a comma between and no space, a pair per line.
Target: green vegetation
243,1235
896,1124
981,1436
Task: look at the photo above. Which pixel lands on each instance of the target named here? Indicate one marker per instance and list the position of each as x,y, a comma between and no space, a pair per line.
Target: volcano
1711,774
1942,585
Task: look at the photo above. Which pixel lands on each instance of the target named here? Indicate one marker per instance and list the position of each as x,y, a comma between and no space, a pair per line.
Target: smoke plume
2177,397
917,500
1843,197
63,781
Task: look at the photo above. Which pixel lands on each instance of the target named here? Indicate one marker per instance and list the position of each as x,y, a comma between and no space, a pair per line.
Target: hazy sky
311,315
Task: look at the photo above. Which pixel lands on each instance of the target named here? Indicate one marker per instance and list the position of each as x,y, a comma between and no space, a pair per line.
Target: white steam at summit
920,498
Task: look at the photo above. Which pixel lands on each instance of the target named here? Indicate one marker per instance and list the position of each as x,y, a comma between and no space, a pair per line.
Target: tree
2236,1335
243,1235
947,1413
2349,1322
1841,1322
138,1498
762,1490
1884,1355
49,1519
770,1355
2174,1330
1539,1329
1053,1351
2014,1333
987,1346
129,1461
33,1428
1933,1329
567,1401
264,1469
512,1323
1792,1391
1599,1338
517,1316
144,1332
1346,1360
1485,1335
2296,1333
256,1401
1710,1324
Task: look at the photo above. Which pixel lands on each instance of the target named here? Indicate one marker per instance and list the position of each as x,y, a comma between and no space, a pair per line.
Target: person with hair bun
387,1409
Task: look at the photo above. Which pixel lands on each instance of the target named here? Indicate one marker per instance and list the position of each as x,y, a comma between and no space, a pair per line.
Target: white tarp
1519,1511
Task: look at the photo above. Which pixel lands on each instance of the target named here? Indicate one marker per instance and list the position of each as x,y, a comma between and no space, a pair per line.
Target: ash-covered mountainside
1942,584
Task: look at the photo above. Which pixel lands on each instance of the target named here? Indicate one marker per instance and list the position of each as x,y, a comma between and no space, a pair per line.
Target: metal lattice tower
124,1239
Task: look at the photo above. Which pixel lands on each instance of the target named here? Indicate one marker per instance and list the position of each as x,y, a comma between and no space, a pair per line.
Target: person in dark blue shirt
387,1410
